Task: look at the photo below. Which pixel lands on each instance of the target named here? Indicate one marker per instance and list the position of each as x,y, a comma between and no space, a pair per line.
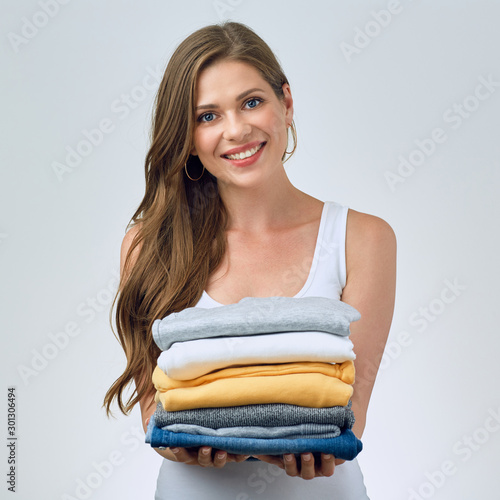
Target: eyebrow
239,97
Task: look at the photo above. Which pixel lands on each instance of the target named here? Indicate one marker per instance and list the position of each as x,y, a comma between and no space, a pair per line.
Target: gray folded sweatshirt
253,316
300,431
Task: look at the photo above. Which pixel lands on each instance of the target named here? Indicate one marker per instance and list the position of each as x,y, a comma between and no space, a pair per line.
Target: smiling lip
250,160
242,149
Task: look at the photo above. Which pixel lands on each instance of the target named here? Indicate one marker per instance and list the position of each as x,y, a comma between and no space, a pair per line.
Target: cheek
276,121
203,141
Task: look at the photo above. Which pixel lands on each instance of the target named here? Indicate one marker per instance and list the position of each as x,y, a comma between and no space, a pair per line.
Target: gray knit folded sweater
264,415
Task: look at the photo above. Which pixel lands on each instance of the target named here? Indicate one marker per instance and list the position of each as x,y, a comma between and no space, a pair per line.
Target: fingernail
327,457
288,458
174,450
205,451
306,458
220,456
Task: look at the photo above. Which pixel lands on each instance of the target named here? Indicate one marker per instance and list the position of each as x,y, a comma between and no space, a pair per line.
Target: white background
60,235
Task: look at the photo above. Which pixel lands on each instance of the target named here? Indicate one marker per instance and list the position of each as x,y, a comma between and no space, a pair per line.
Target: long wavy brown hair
180,224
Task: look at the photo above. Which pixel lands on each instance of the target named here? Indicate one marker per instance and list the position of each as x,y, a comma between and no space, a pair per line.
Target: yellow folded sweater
304,384
343,371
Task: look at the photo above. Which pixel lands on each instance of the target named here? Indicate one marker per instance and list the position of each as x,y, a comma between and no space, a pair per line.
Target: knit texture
268,415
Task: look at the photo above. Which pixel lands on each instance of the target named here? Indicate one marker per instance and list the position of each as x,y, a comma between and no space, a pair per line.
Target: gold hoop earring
294,137
202,172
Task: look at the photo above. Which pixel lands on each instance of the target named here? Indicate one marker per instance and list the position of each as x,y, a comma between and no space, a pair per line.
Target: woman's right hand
203,456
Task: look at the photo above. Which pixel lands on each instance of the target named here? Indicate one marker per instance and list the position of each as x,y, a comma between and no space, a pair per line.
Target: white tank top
257,480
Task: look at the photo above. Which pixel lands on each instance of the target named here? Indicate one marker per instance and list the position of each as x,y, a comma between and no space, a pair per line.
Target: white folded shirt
194,358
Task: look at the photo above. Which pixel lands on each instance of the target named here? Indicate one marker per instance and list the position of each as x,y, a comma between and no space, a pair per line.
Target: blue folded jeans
346,446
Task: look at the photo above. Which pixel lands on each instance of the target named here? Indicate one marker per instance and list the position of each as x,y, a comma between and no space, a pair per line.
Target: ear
288,102
193,152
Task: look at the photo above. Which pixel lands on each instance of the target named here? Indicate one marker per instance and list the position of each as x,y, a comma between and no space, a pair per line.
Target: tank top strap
329,265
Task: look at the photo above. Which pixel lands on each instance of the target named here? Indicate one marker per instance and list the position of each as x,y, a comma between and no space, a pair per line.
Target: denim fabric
346,446
253,316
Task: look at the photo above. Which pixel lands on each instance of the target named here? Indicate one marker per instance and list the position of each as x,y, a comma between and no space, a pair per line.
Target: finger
307,470
220,459
183,455
231,458
205,456
327,467
290,464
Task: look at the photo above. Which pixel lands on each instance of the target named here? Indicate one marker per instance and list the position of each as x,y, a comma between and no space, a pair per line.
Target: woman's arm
370,288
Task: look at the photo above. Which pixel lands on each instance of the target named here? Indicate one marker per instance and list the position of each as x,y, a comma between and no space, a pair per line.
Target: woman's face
241,126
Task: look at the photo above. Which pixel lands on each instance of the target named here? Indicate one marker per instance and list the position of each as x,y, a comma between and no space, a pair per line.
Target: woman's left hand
307,467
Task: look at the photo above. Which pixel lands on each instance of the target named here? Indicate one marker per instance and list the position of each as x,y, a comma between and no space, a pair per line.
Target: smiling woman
221,222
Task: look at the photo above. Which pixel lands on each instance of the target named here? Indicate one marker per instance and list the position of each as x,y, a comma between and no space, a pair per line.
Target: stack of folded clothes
264,376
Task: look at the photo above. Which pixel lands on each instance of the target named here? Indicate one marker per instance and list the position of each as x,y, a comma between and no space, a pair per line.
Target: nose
236,128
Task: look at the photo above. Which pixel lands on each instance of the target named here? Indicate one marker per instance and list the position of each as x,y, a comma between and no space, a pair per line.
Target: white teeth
246,154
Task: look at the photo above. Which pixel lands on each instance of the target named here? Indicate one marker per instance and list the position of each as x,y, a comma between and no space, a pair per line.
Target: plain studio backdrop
397,108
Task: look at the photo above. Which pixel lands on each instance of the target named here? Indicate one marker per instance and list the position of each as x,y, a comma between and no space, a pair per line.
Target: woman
221,221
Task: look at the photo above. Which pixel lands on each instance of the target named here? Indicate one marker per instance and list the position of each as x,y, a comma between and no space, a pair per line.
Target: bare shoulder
368,239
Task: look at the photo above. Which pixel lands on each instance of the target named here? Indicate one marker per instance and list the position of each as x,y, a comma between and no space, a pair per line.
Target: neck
275,203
